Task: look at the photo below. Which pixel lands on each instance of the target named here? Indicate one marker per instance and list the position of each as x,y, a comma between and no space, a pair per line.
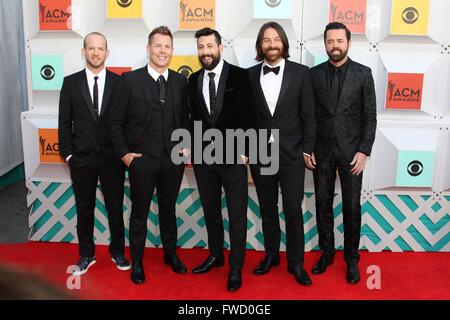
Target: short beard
214,62
337,57
273,58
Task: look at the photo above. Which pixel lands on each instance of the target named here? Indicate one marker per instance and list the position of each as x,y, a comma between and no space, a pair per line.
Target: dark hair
336,26
95,33
207,32
160,30
284,39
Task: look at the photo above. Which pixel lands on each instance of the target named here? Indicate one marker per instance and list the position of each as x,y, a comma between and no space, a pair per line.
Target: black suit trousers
324,183
147,173
290,178
233,179
84,183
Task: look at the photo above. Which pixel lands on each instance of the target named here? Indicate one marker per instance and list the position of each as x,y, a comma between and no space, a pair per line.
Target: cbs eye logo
415,168
273,3
47,72
124,3
185,70
410,15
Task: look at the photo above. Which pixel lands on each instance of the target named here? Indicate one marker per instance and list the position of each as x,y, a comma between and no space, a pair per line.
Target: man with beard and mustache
285,99
220,98
151,103
346,124
84,111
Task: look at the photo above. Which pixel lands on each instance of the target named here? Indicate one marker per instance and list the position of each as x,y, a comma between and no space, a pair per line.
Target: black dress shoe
300,275
210,262
137,273
234,281
321,265
266,264
353,276
175,262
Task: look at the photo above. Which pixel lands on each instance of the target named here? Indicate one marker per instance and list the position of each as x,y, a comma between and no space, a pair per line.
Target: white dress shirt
155,74
101,88
100,84
217,70
271,86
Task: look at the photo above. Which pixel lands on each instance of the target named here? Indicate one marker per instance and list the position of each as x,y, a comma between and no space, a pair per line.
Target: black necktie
212,93
162,89
95,94
267,69
335,87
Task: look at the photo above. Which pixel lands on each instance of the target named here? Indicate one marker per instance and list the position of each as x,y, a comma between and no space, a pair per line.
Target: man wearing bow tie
285,100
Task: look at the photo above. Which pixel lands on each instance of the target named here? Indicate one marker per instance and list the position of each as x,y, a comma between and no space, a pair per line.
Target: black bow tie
267,69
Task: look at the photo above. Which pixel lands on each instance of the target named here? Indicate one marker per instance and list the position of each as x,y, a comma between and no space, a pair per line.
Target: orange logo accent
196,14
55,14
352,13
48,146
119,70
404,91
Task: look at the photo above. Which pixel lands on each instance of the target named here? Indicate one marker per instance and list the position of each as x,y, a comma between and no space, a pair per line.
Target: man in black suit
284,95
346,124
150,103
220,98
84,111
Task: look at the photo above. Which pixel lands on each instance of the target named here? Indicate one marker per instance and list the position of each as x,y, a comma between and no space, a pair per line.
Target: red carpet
403,276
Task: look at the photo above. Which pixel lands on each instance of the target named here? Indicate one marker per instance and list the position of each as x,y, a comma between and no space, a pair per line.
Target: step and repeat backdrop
406,187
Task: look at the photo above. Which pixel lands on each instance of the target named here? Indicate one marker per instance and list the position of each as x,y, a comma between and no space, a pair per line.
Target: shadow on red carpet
408,275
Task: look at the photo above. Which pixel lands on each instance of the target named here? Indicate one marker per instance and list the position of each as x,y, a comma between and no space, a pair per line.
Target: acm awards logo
48,149
403,94
404,91
410,15
352,14
54,15
47,72
196,14
273,3
124,3
49,146
415,168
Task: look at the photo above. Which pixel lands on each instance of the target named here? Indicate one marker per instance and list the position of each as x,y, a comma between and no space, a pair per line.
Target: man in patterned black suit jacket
346,123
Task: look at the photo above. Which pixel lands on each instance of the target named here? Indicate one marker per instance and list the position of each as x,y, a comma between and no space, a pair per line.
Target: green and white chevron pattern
390,221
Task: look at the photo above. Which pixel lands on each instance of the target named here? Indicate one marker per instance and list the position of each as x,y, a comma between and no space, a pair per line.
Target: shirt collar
155,74
217,70
101,75
342,68
279,64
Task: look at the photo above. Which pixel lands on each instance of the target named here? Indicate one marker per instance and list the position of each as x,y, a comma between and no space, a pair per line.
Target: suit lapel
346,84
170,97
256,77
326,87
146,84
221,88
106,93
87,95
201,98
287,77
